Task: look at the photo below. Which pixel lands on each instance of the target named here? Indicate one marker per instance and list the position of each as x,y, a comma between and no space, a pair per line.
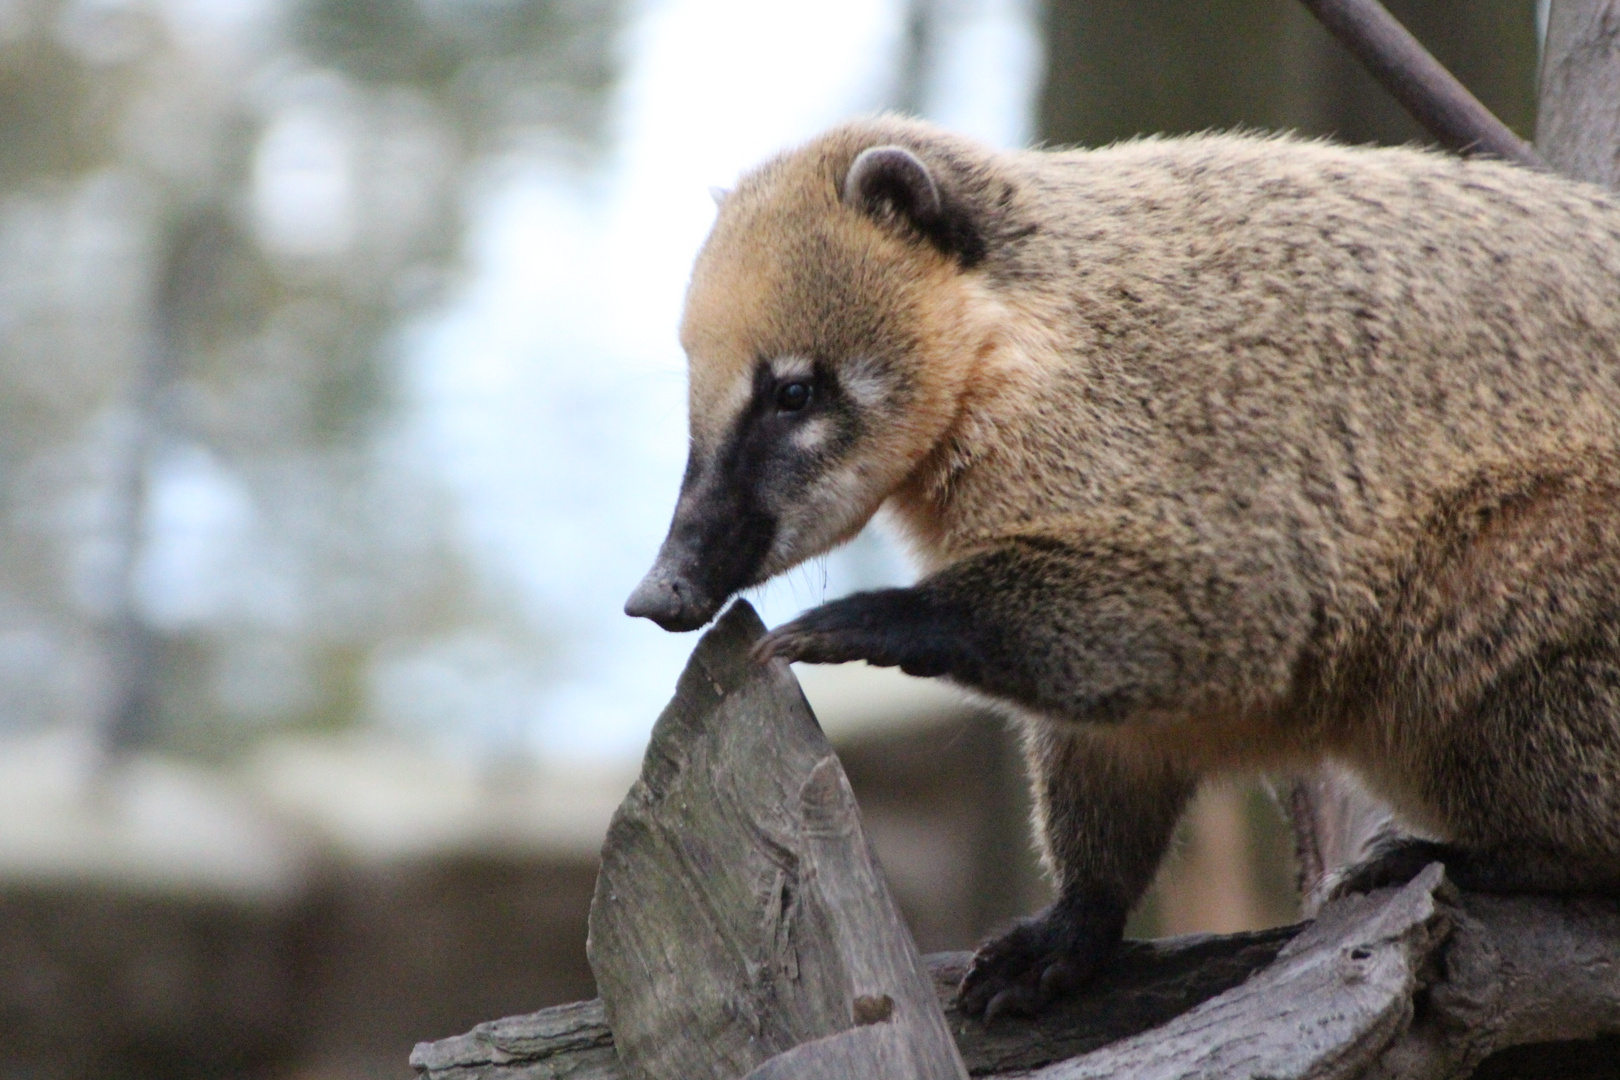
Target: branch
1419,82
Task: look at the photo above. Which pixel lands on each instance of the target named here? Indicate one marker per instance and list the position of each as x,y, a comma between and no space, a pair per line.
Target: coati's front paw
1392,862
1041,958
889,628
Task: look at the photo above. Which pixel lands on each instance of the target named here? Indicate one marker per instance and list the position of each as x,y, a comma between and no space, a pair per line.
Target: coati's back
1257,332
1310,358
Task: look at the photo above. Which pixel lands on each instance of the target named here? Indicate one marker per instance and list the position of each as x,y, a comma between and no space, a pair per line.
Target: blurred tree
1119,68
214,223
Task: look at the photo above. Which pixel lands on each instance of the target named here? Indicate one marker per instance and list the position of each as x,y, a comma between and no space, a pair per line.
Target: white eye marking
865,381
810,435
792,367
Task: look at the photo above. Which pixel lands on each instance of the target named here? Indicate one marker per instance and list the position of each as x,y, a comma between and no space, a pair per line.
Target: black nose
669,602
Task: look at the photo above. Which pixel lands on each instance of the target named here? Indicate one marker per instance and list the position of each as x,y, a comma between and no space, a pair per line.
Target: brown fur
1251,452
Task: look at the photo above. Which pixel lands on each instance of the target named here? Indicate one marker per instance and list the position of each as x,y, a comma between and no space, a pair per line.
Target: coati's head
830,329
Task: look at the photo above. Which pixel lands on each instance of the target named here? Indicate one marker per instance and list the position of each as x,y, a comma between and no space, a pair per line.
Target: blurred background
341,407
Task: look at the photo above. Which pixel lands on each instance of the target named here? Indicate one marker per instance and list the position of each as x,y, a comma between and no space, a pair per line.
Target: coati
1219,453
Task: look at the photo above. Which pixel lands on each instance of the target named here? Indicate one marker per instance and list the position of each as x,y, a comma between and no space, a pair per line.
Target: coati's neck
1004,356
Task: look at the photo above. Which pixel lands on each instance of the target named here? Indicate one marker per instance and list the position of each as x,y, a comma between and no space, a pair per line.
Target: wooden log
568,1042
740,912
1153,982
1335,998
876,1052
1419,82
1494,973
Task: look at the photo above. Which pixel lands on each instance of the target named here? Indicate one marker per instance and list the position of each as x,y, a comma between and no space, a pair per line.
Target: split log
740,912
1153,982
1337,998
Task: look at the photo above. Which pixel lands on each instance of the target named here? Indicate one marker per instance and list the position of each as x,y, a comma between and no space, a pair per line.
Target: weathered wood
1495,972
1153,982
1578,121
1149,984
568,1042
1517,972
1336,996
876,1052
740,912
1419,82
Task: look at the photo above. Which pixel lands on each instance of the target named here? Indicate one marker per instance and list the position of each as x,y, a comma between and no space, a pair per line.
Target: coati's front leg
1104,820
1077,635
1073,636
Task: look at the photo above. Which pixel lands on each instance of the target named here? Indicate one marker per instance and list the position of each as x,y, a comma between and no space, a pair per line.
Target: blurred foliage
215,223
1120,68
492,61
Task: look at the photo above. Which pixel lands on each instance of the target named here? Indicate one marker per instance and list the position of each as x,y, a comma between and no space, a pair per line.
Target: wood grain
740,911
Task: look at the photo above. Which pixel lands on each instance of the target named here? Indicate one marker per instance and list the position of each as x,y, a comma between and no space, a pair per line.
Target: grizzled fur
1220,453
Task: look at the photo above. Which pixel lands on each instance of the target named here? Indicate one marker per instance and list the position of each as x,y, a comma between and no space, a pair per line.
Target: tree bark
1578,125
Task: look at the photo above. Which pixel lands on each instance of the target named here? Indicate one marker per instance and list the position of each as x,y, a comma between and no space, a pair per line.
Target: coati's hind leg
1527,782
1104,820
1518,869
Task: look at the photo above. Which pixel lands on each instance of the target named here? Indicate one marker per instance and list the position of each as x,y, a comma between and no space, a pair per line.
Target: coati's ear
893,179
890,183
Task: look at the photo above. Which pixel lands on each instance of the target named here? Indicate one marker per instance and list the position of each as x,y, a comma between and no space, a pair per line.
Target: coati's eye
793,396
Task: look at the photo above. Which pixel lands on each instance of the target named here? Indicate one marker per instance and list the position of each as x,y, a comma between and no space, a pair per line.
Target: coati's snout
822,331
716,546
750,504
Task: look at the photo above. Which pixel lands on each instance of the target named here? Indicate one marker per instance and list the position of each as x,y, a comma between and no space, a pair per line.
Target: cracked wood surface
740,913
1153,982
1496,973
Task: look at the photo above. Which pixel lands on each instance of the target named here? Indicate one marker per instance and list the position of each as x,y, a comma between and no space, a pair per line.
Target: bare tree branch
1419,82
